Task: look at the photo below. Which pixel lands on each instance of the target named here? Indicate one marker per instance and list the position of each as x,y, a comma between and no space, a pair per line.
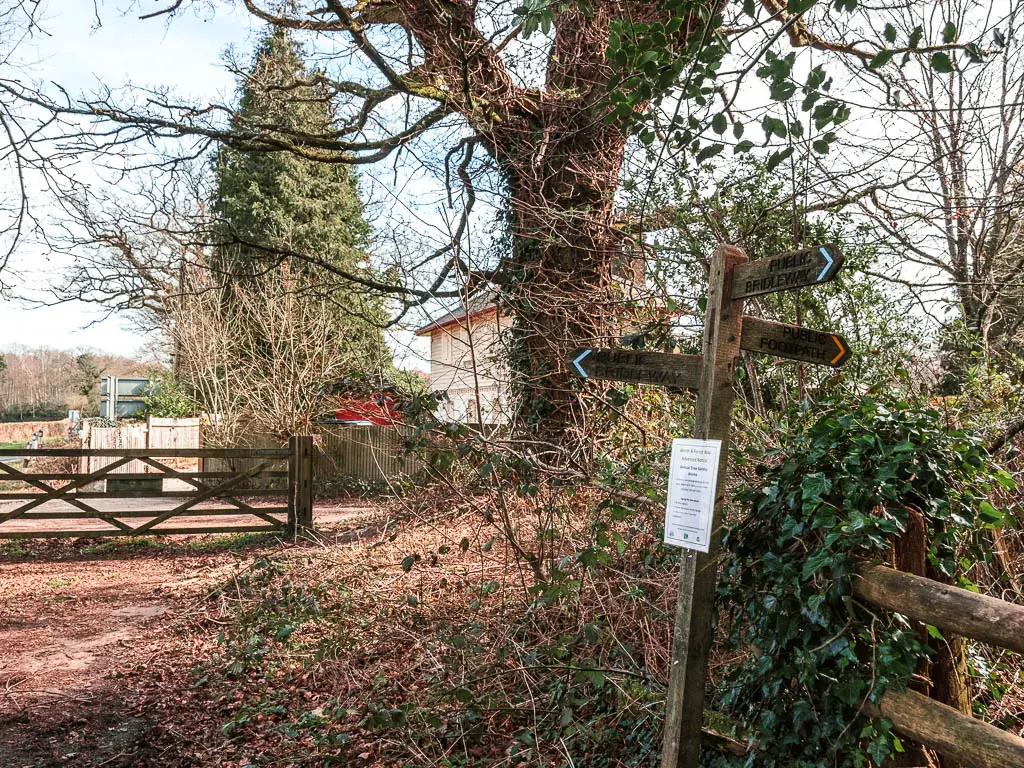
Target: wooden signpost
726,332
794,342
794,269
667,370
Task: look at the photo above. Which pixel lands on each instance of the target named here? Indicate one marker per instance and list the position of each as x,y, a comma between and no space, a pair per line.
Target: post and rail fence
964,739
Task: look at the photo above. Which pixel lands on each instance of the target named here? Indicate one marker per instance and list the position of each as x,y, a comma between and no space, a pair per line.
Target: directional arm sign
794,342
794,269
660,368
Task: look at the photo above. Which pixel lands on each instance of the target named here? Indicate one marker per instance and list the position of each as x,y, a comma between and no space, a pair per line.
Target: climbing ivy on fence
838,493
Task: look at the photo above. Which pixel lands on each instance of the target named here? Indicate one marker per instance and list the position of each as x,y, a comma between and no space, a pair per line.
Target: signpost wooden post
726,332
692,632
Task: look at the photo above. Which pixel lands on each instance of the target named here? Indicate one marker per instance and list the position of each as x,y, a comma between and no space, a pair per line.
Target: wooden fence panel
375,453
174,433
256,441
113,438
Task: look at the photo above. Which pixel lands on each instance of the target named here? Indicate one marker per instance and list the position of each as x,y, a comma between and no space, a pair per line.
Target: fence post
300,483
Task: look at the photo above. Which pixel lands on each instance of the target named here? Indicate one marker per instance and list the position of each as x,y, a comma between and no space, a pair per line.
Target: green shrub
167,397
837,493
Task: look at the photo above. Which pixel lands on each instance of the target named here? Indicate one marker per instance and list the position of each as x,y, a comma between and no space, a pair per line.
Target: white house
469,362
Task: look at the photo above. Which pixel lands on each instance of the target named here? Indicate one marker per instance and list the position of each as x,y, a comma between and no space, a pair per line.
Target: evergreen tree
270,204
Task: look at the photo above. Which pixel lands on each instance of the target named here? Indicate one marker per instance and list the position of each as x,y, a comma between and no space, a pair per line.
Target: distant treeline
41,384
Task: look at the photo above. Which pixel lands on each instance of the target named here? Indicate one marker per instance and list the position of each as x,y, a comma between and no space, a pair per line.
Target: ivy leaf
990,514
1005,479
813,487
821,146
949,32
719,123
879,750
942,63
744,146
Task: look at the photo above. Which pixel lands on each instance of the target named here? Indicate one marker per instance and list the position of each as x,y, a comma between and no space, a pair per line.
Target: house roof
478,304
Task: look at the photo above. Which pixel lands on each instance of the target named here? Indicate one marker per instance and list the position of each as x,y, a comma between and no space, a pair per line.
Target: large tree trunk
569,268
564,287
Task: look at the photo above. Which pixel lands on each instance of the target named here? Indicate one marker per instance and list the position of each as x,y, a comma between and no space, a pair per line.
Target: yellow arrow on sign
842,349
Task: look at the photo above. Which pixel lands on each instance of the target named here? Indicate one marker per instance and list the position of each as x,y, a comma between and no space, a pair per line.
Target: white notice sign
692,477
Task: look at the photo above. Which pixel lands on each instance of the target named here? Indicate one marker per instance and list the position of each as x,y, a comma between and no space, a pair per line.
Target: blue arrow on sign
579,367
829,261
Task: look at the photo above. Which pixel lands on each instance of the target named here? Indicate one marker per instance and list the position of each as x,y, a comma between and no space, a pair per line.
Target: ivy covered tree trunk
568,264
562,164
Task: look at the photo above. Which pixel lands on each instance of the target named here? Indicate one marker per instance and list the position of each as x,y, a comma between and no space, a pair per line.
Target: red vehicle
379,409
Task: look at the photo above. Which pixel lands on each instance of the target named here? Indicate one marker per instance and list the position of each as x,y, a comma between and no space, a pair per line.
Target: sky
80,54
83,53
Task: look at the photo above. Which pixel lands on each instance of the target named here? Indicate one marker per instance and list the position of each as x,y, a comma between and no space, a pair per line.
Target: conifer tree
272,203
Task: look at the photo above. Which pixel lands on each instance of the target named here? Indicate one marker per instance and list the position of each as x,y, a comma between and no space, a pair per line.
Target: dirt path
76,615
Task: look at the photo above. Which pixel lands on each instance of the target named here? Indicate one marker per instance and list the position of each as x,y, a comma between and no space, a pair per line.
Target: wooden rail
944,606
164,453
962,738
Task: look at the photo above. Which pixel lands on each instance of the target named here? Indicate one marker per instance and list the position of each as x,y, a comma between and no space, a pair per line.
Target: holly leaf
773,126
708,152
881,58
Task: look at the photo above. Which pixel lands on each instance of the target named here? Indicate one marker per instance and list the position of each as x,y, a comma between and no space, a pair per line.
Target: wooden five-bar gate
146,491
